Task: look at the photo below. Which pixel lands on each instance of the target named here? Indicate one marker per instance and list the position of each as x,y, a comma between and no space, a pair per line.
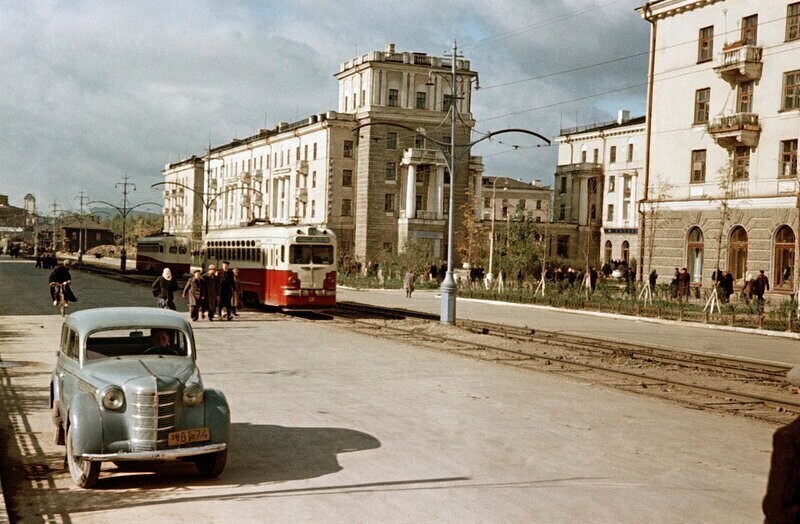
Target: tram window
173,250
161,249
283,253
299,254
182,250
322,255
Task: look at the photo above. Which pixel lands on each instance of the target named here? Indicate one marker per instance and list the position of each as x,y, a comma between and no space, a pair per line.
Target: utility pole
82,232
54,244
123,256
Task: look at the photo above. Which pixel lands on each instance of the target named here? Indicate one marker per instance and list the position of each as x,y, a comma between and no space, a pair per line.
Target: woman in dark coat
210,291
164,289
193,292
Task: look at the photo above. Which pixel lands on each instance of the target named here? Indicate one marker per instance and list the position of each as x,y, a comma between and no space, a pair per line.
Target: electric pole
82,198
123,256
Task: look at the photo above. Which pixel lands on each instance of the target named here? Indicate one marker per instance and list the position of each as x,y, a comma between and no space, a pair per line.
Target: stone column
620,189
632,214
439,192
478,195
583,202
411,191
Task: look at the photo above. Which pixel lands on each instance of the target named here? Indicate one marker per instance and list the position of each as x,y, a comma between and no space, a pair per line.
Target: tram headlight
113,398
192,395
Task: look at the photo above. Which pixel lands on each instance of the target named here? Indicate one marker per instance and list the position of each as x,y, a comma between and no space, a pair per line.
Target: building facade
370,171
597,187
725,123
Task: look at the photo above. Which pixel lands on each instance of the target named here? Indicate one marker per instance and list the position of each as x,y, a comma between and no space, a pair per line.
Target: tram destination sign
313,240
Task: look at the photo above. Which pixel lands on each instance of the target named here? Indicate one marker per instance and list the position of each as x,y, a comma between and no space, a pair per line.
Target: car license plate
187,436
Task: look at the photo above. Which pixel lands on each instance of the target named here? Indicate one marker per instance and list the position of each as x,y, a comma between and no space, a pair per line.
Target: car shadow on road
258,454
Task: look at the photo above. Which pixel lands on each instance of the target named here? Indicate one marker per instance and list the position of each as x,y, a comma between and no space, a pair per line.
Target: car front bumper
157,455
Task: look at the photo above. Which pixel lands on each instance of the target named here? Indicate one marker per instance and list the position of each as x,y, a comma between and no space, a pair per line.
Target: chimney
623,116
3,200
389,48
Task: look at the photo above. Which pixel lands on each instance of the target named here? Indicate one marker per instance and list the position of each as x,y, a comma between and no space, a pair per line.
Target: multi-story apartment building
504,195
360,170
725,123
183,199
597,187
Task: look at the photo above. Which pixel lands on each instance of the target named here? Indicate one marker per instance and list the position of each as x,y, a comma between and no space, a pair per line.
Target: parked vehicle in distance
155,253
291,266
126,387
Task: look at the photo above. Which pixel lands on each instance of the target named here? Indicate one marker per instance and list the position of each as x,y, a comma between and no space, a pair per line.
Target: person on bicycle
60,275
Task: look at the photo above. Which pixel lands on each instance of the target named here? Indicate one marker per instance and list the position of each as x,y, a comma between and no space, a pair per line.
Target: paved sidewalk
770,346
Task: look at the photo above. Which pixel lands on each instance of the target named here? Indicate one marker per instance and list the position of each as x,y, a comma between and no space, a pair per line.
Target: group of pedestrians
217,292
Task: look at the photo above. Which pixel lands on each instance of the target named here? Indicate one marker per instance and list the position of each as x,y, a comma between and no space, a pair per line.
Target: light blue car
126,388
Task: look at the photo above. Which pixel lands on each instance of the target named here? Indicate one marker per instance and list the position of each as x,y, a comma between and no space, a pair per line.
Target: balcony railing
580,168
733,130
425,215
740,62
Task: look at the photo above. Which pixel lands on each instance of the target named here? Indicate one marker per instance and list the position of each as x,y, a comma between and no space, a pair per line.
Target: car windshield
135,342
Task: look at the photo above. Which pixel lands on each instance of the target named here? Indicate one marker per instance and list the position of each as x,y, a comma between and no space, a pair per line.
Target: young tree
663,192
523,242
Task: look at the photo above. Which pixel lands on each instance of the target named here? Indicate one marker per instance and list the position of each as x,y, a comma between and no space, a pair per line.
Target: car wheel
211,465
83,472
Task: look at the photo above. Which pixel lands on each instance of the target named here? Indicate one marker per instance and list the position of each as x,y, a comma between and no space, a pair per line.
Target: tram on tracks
155,253
287,266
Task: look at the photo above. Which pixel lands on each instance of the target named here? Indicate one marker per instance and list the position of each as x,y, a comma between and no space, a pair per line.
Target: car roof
125,317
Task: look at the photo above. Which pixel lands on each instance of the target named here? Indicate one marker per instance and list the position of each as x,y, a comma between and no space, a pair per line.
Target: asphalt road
332,426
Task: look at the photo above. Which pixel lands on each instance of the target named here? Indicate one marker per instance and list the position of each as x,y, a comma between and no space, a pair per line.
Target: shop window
784,258
694,250
737,252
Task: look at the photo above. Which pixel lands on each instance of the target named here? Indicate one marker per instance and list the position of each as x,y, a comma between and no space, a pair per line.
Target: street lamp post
490,275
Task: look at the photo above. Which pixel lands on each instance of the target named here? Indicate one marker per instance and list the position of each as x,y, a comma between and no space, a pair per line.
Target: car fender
85,424
218,415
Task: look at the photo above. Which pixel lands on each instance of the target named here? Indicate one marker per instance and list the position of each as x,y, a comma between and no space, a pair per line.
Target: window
347,207
313,179
446,203
538,204
784,257
521,204
788,159
348,149
391,171
363,96
705,44
630,152
562,211
315,151
563,187
391,140
562,246
347,178
694,245
737,252
355,100
487,202
345,103
612,154
698,166
420,203
583,156
313,208
610,213
741,163
419,142
394,98
608,252
791,90
701,100
793,21
612,184
447,102
744,97
305,152
749,30
595,155
420,100
388,202
626,251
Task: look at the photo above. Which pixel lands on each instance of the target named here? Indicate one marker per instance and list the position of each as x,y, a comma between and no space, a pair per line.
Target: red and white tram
155,253
290,266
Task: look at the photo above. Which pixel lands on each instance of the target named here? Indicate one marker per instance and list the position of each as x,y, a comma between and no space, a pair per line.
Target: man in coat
408,283
226,284
762,285
193,292
782,502
210,291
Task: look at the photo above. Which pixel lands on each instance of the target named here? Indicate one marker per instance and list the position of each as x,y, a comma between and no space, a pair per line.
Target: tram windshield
308,254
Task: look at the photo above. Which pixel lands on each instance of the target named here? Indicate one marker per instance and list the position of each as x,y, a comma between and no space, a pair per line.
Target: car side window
64,336
71,346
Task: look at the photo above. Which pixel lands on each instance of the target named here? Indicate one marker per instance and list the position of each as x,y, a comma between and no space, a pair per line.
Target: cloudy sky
91,91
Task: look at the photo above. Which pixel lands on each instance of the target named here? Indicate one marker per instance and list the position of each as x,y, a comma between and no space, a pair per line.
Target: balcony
739,63
580,169
425,215
741,129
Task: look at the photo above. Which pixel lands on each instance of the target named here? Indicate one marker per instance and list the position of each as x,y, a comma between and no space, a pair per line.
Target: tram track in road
708,382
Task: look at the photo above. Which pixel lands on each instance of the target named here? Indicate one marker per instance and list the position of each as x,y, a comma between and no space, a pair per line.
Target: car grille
154,418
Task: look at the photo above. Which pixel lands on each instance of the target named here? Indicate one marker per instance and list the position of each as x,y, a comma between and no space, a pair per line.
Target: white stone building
725,123
597,187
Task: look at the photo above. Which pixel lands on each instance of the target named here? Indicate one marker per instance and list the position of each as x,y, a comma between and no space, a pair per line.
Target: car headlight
192,395
113,398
